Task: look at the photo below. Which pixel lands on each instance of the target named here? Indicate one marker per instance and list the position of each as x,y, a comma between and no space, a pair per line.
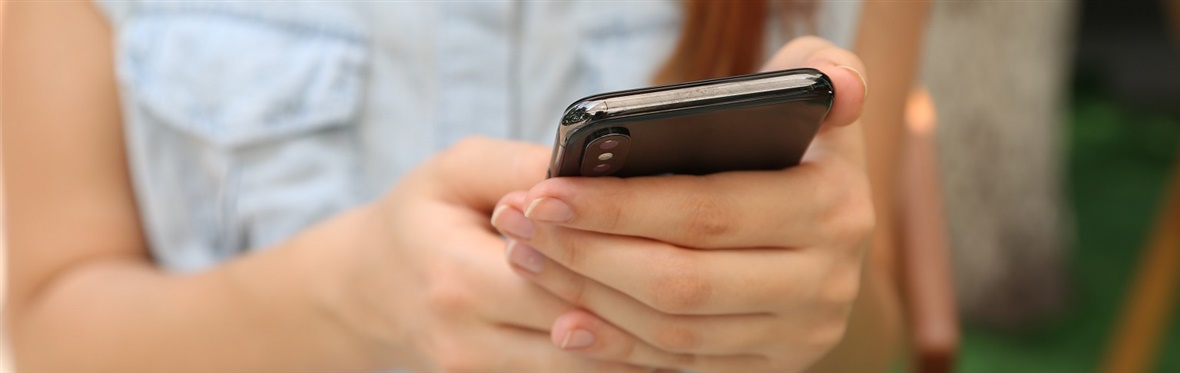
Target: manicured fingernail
577,338
509,245
496,213
512,222
863,83
549,209
524,256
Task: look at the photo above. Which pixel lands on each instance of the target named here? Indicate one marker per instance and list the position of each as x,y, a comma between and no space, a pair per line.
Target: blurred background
1065,253
1089,284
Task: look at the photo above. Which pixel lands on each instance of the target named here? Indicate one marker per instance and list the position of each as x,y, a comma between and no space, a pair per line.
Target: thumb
844,68
478,171
841,134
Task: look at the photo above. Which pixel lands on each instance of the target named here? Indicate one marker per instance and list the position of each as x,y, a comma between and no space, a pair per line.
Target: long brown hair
724,38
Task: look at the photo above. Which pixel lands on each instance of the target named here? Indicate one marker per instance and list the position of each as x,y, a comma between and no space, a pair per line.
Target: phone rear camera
605,153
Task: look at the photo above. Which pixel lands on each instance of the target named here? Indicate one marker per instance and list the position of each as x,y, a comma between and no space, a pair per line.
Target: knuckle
471,143
680,287
850,216
459,149
449,297
623,195
555,187
460,153
569,250
828,334
575,292
676,338
707,218
842,288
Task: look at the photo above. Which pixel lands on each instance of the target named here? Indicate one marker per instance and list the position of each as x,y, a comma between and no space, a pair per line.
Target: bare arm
890,42
84,294
414,279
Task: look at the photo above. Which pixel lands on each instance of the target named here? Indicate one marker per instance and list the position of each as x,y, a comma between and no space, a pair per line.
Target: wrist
309,281
347,266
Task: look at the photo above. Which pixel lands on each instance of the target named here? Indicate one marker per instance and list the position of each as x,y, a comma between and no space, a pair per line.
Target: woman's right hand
423,281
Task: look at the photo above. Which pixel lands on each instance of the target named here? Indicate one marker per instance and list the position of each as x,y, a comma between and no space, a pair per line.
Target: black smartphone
761,121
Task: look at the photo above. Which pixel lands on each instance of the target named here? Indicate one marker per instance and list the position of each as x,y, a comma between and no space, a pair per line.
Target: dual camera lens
605,153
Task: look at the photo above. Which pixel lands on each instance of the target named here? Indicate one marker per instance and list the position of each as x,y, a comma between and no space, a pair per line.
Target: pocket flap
236,79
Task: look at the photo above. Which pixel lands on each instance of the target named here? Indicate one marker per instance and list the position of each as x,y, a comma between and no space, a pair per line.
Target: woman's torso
248,122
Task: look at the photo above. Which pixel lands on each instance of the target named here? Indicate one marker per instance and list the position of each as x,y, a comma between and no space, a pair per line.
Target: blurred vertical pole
999,72
927,281
1173,15
5,362
1152,295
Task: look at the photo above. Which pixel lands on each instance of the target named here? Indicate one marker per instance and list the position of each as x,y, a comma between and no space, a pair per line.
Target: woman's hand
426,279
737,271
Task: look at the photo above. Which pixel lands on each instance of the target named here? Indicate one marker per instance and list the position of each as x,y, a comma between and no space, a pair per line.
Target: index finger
734,209
477,171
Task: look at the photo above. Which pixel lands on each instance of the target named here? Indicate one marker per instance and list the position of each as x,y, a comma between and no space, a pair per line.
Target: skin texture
746,276
889,41
423,285
375,287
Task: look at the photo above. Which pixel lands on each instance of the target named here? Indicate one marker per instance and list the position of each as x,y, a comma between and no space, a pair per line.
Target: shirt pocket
242,124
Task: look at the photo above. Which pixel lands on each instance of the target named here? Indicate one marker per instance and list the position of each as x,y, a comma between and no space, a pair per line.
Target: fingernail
577,338
524,256
511,222
496,214
509,245
863,83
550,210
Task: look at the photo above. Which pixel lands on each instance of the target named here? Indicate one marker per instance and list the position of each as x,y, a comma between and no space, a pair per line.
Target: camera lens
605,152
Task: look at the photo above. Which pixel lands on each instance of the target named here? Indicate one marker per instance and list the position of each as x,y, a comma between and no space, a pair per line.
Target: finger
685,334
497,294
499,349
797,207
844,68
584,334
478,171
841,134
675,280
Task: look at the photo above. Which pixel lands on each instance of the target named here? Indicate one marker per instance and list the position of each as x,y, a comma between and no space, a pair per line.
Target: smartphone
761,121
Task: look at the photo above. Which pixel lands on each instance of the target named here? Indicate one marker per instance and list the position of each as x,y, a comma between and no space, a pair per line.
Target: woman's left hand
736,271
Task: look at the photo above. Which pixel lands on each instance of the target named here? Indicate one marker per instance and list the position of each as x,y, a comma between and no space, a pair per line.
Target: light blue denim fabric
247,122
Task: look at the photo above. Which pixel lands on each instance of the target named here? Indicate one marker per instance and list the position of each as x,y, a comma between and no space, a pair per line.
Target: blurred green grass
1119,162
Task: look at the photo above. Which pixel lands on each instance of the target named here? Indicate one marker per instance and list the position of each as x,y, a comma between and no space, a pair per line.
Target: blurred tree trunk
998,74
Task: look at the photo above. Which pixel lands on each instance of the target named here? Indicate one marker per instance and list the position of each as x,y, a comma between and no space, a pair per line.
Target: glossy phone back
759,121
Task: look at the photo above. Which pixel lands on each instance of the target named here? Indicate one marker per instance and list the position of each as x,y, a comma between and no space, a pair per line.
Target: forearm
263,312
890,42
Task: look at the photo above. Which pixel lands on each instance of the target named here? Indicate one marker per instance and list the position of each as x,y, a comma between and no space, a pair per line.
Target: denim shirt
247,122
